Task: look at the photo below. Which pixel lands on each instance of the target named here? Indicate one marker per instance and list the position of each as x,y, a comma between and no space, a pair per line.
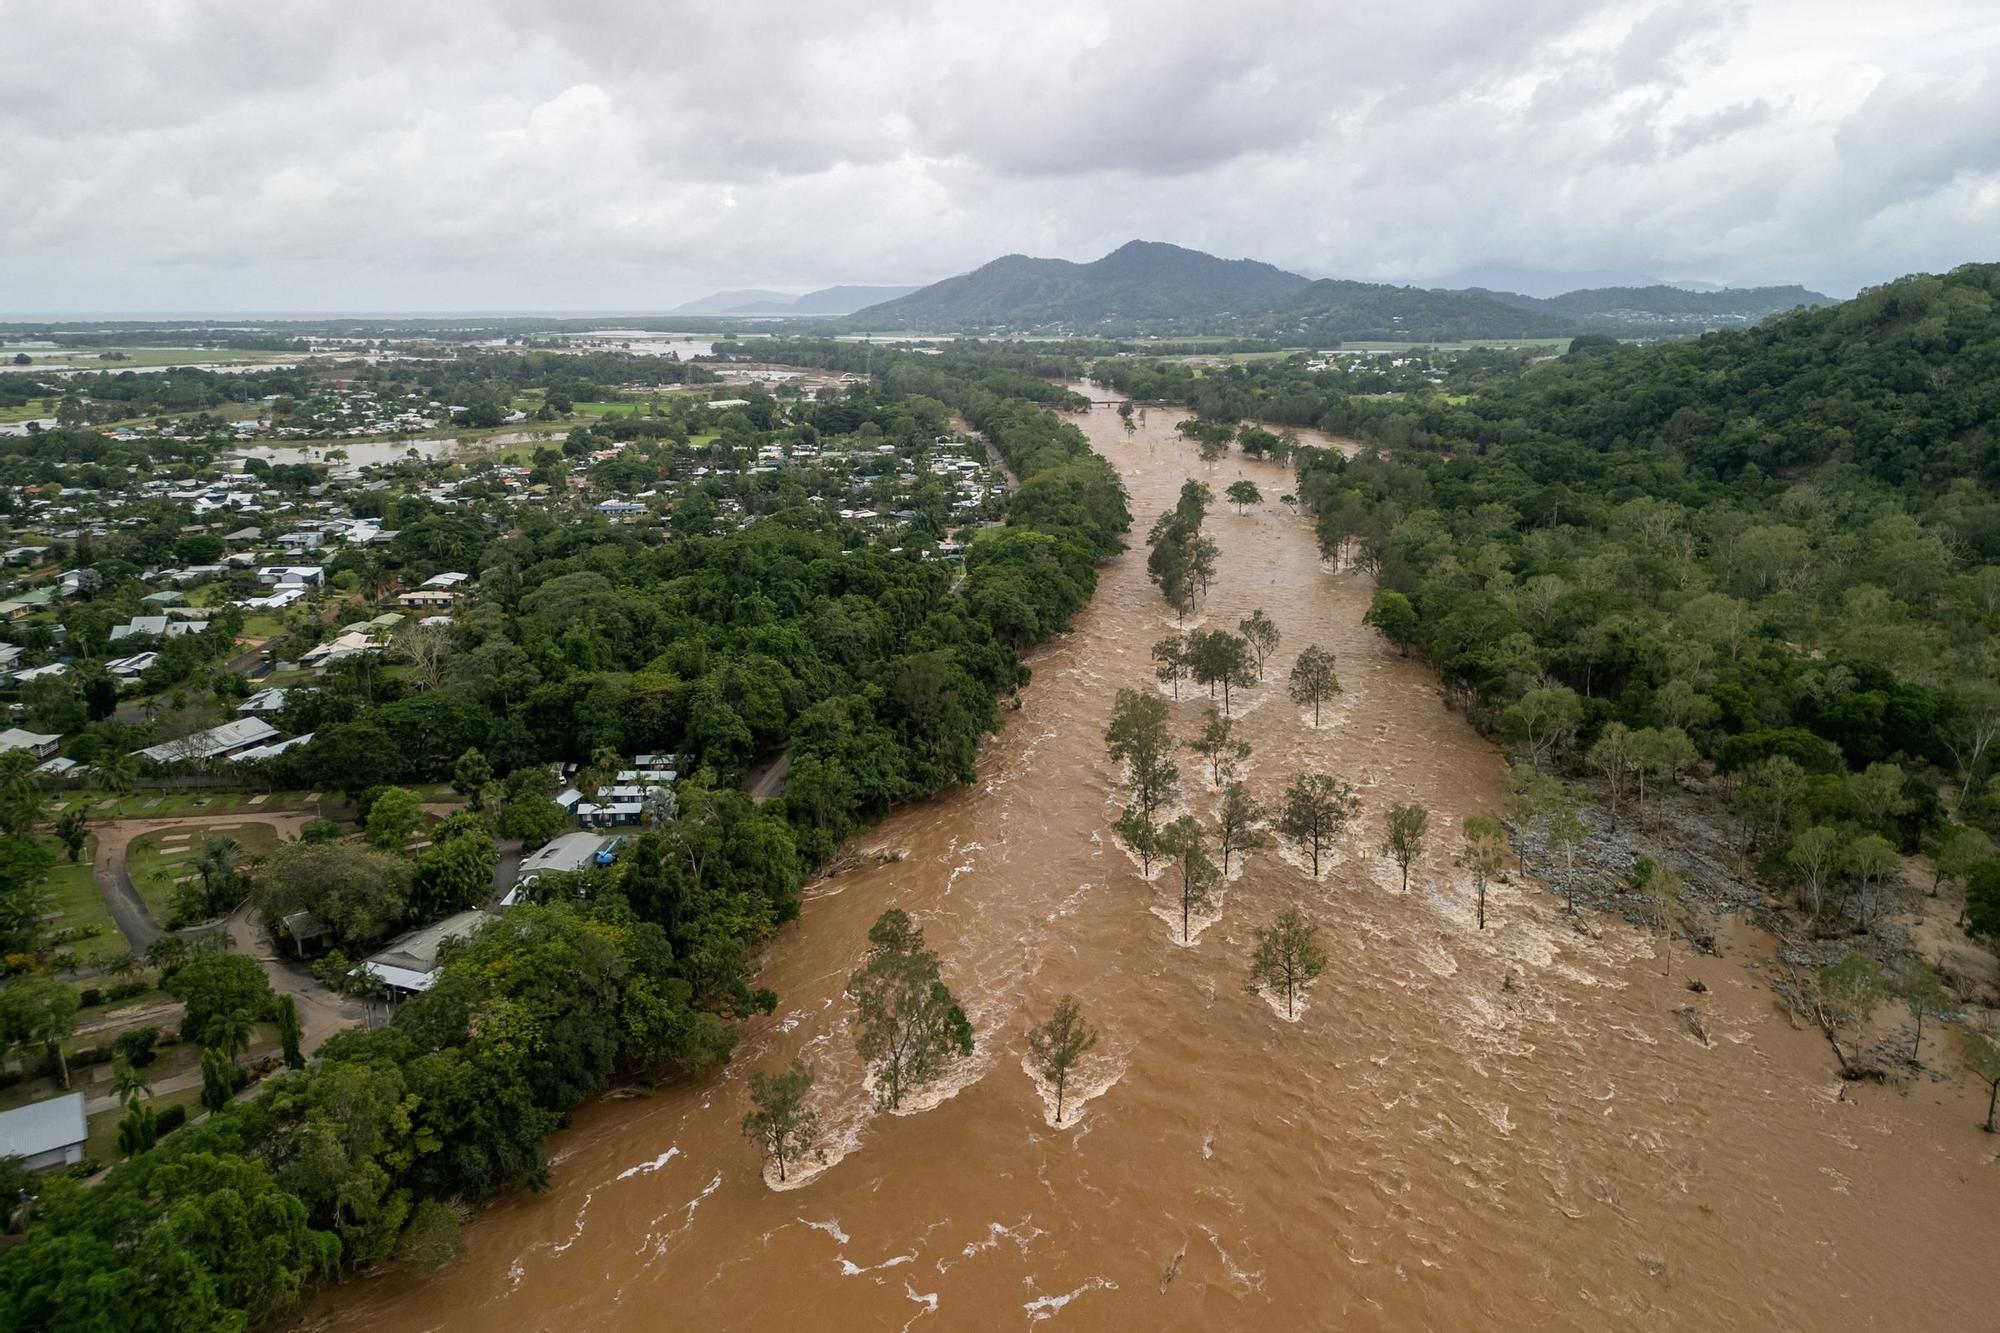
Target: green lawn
73,896
102,1146
262,625
155,804
158,861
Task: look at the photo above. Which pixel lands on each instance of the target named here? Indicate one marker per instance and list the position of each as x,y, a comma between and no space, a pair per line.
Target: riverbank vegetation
790,630
1763,565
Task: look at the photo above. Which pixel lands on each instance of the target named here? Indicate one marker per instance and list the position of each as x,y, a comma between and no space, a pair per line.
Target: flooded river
1504,1129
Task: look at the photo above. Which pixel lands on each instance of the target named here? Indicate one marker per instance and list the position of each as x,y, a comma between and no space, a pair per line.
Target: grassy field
102,1146
76,903
158,861
262,625
143,804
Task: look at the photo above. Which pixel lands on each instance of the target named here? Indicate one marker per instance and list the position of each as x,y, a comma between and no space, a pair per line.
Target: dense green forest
720,641
1776,544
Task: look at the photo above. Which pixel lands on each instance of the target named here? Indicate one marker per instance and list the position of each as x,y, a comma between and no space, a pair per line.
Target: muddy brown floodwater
1432,1146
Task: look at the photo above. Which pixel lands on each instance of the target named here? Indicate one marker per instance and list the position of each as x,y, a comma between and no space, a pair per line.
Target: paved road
321,1012
114,883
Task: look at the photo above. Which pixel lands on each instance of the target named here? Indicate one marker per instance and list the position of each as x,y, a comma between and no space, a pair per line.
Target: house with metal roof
408,964
45,1134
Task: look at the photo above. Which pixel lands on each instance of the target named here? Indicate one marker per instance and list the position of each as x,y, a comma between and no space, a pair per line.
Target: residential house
45,1134
563,855
214,743
36,744
408,964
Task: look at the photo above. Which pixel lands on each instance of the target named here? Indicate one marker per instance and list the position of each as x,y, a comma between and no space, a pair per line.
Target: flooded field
1465,1129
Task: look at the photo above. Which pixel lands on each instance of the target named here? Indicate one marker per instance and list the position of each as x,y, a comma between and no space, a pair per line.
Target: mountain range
1151,288
827,302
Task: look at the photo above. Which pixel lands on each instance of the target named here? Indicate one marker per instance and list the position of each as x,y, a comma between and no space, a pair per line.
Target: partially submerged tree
1836,998
1981,1057
1185,842
1239,823
1392,615
1316,810
1532,797
1217,744
1314,680
1141,834
1139,739
1261,633
1663,903
1170,661
1482,855
1407,824
1243,493
911,1028
1288,957
780,1122
1217,658
1917,984
1055,1047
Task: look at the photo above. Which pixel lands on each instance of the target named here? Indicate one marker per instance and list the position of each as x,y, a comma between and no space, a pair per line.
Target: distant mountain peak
1156,287
827,302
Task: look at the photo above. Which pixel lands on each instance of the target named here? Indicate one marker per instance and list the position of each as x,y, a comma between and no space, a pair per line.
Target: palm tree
370,988
217,868
230,1033
116,773
128,1085
52,1025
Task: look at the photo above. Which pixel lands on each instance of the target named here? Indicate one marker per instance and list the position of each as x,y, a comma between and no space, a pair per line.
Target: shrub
88,1056
90,997
135,1048
170,1118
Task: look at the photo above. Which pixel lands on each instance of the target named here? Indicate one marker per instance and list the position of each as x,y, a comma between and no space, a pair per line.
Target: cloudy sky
622,155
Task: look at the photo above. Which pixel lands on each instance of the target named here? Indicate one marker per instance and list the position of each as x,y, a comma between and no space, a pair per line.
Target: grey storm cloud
619,154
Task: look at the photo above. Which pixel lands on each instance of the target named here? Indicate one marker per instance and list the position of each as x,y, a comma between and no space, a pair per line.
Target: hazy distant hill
722,303
1332,309
1141,284
1619,309
1146,287
827,302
